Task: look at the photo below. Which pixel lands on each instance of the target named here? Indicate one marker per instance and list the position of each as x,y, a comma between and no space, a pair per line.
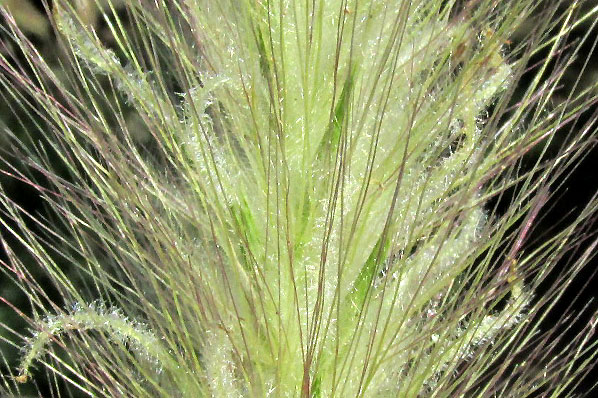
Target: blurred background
580,182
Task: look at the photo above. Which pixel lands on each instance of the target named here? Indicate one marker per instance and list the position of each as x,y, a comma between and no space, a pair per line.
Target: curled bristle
294,199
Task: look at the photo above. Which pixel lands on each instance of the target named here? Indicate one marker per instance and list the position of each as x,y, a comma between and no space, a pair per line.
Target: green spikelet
309,216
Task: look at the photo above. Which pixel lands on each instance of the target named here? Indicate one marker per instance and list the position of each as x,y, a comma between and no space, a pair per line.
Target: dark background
580,185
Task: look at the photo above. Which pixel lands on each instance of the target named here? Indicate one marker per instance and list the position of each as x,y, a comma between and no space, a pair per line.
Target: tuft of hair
296,199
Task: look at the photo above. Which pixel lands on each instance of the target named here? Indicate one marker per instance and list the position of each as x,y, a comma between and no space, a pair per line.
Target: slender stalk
293,199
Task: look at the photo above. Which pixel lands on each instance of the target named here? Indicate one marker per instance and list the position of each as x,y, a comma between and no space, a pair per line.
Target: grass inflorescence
293,199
